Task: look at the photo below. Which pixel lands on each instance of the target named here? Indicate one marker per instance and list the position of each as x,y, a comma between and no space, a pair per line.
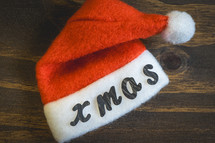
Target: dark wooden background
183,112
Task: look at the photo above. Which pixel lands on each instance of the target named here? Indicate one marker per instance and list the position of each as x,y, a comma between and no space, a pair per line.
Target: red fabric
100,38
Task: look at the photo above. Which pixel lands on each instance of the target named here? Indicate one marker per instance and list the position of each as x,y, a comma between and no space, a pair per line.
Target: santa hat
97,70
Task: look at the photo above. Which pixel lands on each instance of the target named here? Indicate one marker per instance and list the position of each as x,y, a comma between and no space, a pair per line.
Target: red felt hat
97,70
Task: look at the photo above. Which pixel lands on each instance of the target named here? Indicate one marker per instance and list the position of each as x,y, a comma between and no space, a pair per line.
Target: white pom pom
180,28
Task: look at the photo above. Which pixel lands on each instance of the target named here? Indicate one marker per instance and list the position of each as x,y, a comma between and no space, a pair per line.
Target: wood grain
183,112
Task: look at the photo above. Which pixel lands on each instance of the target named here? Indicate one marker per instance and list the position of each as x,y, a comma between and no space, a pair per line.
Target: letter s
150,74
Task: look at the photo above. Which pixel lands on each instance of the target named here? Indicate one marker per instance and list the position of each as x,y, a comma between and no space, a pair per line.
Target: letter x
80,115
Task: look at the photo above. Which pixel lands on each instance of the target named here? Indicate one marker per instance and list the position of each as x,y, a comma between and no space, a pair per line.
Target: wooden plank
190,74
29,102
18,74
135,127
156,127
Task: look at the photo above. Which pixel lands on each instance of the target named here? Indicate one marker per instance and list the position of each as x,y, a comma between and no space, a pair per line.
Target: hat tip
180,28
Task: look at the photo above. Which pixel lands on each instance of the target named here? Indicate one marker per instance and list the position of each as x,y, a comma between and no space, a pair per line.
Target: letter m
105,101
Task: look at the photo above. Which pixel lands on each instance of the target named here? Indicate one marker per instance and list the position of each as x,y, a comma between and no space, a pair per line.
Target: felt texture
180,28
59,113
99,39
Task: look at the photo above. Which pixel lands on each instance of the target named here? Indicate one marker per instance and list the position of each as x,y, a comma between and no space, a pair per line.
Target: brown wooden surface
183,112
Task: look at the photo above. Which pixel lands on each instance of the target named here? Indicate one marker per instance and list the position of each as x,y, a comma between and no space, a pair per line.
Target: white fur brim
59,113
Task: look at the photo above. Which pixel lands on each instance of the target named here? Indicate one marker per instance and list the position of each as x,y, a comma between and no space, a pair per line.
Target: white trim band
60,113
